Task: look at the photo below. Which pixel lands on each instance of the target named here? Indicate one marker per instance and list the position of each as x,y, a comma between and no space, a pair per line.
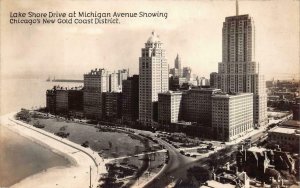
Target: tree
109,144
199,173
137,150
23,115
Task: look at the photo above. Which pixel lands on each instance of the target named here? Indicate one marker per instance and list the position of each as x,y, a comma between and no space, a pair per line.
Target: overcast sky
193,29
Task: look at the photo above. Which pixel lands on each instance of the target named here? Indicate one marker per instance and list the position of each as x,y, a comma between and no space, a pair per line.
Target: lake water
19,156
25,93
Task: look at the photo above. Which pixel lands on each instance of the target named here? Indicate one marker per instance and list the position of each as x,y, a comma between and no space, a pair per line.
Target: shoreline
74,175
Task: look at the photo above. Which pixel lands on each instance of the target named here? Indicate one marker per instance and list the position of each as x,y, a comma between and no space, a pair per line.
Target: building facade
75,99
113,82
232,115
130,99
197,105
187,73
213,79
51,100
202,81
122,75
169,107
112,105
62,101
287,136
95,83
238,72
153,72
176,83
296,109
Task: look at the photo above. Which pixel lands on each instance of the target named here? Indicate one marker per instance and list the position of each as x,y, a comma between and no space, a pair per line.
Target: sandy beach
76,175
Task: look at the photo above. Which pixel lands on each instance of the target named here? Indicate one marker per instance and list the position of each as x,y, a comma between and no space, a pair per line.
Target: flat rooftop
171,93
231,95
284,130
213,183
291,123
257,149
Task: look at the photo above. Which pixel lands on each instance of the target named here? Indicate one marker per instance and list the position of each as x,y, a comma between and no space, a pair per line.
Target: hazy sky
193,29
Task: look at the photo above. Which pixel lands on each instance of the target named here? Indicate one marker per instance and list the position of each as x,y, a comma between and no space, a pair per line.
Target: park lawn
109,144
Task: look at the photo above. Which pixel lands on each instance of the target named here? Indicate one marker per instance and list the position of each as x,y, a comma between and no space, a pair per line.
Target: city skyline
194,34
176,100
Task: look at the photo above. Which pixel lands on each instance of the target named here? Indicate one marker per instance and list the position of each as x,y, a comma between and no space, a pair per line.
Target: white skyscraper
153,78
238,72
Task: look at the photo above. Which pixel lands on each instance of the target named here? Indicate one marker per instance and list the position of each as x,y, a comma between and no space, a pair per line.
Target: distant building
65,101
178,66
296,110
232,115
113,82
176,83
187,73
272,98
51,100
130,99
95,83
287,136
197,105
177,70
213,80
169,107
112,105
202,81
122,75
153,78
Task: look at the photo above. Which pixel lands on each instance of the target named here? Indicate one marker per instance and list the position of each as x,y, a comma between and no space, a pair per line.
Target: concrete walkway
78,175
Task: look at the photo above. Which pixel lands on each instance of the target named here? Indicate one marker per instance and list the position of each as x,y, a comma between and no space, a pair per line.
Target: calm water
19,156
25,93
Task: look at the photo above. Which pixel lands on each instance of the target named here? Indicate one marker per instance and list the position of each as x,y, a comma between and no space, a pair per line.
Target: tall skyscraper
153,78
238,72
95,83
130,99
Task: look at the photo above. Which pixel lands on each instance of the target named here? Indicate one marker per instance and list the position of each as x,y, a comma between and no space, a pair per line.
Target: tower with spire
238,71
178,65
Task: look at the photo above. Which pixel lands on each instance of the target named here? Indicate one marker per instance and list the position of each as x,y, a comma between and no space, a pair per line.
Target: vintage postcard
153,94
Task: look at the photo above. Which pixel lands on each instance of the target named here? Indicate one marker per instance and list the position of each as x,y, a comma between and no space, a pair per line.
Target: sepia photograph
149,94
